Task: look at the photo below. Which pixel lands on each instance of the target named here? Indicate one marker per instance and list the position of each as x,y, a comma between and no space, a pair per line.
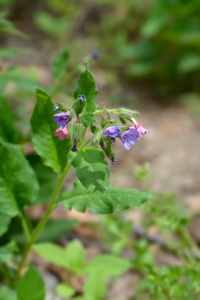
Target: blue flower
95,54
56,107
129,137
82,98
61,119
112,131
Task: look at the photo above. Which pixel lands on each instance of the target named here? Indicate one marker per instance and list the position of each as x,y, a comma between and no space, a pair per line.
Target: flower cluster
128,137
106,136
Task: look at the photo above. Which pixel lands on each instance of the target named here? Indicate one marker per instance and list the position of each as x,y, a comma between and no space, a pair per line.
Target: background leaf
109,265
18,183
31,286
4,223
86,86
91,169
95,286
61,63
50,148
6,252
114,199
7,294
64,290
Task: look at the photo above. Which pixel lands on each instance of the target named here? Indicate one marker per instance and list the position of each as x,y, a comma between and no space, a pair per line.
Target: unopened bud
79,104
96,138
108,149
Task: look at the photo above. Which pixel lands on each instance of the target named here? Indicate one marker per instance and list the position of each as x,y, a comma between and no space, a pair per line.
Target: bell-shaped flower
112,131
62,133
61,119
141,130
129,137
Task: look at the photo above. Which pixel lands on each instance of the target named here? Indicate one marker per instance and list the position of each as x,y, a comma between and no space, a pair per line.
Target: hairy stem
42,222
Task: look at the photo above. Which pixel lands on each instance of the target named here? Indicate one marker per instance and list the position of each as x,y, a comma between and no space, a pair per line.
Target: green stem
26,224
42,222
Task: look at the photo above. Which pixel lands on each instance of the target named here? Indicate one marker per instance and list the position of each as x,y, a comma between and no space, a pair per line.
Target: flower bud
78,131
79,104
108,149
96,138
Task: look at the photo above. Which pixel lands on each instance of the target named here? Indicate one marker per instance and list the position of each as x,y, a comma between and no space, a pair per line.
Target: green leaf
52,253
50,148
7,294
109,265
61,63
6,252
64,290
4,223
76,256
18,183
95,286
114,199
86,86
91,169
31,286
7,129
88,118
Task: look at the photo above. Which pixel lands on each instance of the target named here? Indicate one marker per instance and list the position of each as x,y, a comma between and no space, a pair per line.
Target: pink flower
62,133
141,130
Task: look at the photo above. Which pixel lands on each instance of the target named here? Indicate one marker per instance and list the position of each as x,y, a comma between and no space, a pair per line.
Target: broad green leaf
114,199
7,251
4,223
109,265
76,256
50,148
7,129
91,169
95,286
31,286
61,63
64,290
86,86
53,254
18,183
7,294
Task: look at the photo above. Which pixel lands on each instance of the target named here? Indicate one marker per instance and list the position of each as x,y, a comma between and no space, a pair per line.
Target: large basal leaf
50,148
7,129
31,286
114,199
86,86
18,183
4,223
91,169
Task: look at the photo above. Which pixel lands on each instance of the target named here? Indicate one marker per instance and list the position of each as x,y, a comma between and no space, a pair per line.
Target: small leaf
91,169
114,199
18,183
88,118
6,252
31,286
61,63
52,253
50,148
7,294
86,86
95,286
109,265
64,290
76,256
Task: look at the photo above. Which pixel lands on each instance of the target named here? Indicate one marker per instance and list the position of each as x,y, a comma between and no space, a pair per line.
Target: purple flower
61,119
129,137
95,54
112,131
